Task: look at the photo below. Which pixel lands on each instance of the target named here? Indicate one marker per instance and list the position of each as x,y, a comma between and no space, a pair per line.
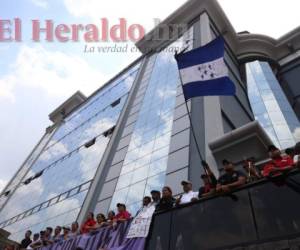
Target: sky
35,78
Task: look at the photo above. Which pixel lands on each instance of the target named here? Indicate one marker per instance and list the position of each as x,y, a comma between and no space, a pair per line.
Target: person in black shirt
167,200
231,179
26,241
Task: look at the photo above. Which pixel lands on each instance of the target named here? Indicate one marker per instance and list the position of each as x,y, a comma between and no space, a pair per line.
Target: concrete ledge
67,107
247,141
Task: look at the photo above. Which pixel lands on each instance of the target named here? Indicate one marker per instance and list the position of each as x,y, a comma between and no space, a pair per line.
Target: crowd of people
59,234
164,199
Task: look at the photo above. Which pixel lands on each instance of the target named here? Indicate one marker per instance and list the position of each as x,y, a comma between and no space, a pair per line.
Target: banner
128,235
140,225
106,238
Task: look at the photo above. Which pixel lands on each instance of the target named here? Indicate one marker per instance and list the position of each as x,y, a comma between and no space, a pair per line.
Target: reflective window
270,106
145,163
24,168
67,163
62,214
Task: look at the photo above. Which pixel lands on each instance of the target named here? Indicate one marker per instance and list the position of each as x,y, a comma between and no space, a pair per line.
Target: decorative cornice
245,46
67,107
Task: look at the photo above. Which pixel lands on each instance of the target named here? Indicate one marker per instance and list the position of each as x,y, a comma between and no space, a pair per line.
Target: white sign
140,225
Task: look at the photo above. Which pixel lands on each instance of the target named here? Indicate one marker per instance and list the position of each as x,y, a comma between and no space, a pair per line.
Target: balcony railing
260,214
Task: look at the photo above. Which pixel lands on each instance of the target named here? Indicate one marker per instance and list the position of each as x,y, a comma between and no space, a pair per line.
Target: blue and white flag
203,71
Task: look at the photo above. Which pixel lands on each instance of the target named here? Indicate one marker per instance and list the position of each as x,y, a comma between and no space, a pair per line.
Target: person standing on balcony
101,221
146,202
110,218
35,242
57,234
231,179
189,195
38,242
27,240
167,200
290,152
122,214
278,163
48,236
66,232
88,224
74,229
251,170
155,194
209,181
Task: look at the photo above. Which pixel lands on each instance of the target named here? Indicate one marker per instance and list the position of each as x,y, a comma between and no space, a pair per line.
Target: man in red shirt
209,181
123,214
278,163
88,224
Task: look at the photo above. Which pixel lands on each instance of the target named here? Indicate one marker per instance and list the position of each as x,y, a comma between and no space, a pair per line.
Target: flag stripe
223,86
200,55
204,72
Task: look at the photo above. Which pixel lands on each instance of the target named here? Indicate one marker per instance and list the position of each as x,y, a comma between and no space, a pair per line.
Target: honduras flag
203,71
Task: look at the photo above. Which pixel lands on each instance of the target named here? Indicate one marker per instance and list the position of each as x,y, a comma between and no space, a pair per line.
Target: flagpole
192,127
194,58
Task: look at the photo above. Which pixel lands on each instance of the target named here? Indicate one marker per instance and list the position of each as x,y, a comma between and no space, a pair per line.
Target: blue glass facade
24,169
145,163
68,166
270,105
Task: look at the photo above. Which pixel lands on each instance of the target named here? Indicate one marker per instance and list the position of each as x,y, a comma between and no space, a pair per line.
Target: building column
213,124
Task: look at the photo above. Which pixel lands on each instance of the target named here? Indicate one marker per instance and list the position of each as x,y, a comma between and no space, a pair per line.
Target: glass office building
67,163
134,135
270,105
